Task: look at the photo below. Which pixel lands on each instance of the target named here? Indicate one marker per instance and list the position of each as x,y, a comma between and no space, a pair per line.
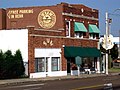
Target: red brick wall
38,36
76,10
2,19
36,41
31,18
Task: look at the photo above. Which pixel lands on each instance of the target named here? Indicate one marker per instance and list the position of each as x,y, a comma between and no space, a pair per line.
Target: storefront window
42,63
40,66
55,63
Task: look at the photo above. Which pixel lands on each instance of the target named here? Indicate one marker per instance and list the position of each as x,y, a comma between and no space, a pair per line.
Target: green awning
93,29
79,27
71,51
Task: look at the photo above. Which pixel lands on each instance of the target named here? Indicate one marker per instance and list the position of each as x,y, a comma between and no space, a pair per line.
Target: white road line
29,85
33,88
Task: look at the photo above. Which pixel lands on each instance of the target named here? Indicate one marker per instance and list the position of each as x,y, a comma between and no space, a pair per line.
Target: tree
8,64
11,66
114,52
1,63
19,66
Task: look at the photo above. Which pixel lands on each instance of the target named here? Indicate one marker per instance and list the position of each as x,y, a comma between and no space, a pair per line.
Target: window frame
57,64
37,63
80,34
67,28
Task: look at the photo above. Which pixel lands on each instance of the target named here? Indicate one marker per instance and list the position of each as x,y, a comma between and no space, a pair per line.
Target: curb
26,80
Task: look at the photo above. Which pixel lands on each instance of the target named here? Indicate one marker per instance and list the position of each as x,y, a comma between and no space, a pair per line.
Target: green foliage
11,66
113,52
115,70
19,62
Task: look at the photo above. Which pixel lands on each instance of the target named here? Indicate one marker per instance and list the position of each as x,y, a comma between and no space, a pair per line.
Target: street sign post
78,61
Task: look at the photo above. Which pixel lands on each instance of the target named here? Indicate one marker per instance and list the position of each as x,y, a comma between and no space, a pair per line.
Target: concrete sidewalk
23,80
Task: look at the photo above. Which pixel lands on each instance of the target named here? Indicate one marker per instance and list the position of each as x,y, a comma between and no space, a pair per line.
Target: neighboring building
2,19
58,36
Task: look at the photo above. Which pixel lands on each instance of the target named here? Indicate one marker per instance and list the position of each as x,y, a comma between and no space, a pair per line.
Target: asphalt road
93,83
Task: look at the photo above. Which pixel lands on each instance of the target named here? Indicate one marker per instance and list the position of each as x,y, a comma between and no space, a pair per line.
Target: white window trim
69,28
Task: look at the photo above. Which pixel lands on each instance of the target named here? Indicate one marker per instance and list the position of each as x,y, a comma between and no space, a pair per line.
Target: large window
40,64
55,63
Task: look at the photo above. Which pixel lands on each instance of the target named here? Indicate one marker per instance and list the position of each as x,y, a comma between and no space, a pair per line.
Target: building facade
58,36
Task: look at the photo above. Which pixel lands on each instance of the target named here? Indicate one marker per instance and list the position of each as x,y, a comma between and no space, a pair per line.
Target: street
91,83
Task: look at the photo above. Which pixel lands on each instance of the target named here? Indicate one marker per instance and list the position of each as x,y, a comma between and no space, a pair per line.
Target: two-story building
57,36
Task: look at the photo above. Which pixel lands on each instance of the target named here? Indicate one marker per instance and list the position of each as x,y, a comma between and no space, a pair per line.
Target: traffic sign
109,43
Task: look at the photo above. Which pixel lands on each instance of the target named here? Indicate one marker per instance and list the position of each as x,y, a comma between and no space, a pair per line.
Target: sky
110,6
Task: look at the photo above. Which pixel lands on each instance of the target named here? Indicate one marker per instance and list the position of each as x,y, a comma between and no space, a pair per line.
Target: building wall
80,13
28,16
2,19
37,37
37,41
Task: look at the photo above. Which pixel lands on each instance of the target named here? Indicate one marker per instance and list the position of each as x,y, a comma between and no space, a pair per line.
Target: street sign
109,43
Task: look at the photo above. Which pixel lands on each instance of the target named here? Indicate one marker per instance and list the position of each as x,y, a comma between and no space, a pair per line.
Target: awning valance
79,27
71,51
93,29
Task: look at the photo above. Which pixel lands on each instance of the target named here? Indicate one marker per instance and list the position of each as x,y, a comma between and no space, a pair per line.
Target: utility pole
119,46
106,41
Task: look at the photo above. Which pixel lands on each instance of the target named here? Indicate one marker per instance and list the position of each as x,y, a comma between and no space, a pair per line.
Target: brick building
58,36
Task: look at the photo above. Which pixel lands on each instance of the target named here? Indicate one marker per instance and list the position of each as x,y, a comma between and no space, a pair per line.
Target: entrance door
68,67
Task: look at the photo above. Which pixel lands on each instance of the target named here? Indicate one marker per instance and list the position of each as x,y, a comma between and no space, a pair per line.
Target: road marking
87,87
29,85
33,88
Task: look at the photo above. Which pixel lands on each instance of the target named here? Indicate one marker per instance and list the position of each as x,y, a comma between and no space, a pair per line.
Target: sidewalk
23,80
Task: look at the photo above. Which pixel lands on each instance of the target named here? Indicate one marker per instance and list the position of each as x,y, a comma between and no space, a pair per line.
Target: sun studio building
54,40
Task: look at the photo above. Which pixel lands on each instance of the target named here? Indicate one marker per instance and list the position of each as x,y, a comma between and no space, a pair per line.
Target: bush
11,66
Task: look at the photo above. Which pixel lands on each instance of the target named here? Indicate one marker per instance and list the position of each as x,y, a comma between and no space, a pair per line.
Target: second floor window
67,27
79,30
80,34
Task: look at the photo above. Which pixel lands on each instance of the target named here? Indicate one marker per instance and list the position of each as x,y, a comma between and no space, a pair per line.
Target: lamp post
119,46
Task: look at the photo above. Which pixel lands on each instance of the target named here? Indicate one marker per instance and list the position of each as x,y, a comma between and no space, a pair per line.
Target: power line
114,14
